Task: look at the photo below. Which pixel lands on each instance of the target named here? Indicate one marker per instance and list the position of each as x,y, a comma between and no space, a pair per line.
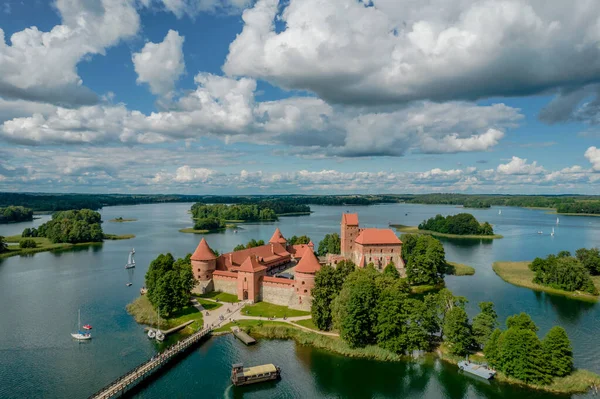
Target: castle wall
279,293
203,287
225,283
381,255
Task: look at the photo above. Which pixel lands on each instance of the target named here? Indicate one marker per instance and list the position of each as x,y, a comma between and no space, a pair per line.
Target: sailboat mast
78,319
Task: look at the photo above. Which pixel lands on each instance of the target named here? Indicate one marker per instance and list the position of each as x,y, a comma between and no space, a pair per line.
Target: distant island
577,277
15,214
462,225
120,219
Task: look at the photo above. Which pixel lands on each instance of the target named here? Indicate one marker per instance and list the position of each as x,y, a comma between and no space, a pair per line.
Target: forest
425,259
566,272
75,226
460,224
12,214
591,207
241,213
169,283
209,223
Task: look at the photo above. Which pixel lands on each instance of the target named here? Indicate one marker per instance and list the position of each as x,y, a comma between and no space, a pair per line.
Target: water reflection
567,309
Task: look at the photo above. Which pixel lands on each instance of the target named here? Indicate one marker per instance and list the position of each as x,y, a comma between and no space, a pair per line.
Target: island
120,219
574,277
65,230
15,214
462,225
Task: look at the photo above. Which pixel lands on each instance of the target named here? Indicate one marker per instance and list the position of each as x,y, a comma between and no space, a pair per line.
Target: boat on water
80,335
480,370
129,284
251,375
87,327
557,221
499,211
130,261
552,234
540,232
160,336
151,334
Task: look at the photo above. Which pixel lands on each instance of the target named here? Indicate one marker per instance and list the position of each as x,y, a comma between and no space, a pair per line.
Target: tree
392,317
409,241
557,347
331,244
521,321
484,323
294,240
323,293
520,355
590,259
27,243
490,349
3,246
460,224
390,270
427,261
169,283
457,331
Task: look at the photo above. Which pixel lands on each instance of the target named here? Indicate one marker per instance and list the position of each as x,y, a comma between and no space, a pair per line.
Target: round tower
204,262
304,277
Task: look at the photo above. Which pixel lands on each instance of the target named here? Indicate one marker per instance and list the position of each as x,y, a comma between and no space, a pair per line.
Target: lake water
40,296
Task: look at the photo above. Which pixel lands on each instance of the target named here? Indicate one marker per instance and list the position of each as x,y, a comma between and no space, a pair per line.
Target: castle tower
278,238
204,262
304,277
250,275
348,233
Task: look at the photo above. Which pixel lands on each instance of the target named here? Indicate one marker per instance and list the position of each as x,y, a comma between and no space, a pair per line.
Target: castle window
244,278
303,283
207,276
305,291
392,250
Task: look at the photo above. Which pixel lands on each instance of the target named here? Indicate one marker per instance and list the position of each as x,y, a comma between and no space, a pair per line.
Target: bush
27,243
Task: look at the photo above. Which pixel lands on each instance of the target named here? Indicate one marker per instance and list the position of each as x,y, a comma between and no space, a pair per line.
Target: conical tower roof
251,265
309,263
203,252
277,237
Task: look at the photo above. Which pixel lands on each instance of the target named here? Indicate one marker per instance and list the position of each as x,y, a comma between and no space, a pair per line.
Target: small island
574,277
15,214
120,219
462,225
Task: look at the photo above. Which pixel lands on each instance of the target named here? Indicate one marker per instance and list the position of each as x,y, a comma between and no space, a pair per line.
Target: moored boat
151,334
87,327
79,335
480,370
250,375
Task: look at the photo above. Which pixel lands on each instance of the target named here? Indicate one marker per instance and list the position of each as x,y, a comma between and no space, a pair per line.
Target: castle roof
268,253
277,237
203,252
309,263
350,219
377,236
251,265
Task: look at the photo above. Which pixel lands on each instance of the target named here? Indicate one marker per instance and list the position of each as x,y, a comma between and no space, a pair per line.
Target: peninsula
462,225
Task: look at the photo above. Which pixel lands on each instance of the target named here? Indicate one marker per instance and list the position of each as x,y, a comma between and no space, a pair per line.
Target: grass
579,381
518,273
266,309
221,296
209,305
121,220
421,289
308,323
144,313
118,237
458,269
415,230
43,245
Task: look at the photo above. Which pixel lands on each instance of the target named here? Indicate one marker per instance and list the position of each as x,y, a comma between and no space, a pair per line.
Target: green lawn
144,313
308,323
209,305
518,273
221,296
266,309
458,269
245,324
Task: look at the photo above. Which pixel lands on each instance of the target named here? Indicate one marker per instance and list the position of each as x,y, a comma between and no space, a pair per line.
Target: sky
300,96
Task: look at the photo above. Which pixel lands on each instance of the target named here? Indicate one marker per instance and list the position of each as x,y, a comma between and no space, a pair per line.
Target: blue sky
313,96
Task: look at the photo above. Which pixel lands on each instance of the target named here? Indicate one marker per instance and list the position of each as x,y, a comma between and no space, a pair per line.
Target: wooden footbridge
133,378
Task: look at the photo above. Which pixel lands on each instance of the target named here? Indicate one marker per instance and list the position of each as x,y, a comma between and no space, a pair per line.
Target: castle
248,273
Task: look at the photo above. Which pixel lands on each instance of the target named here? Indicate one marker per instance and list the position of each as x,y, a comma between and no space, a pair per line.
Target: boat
251,375
129,284
540,232
499,211
87,327
151,334
160,336
480,370
552,234
80,335
130,261
557,221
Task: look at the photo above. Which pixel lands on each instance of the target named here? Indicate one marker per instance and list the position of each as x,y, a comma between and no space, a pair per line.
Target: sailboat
130,261
151,333
557,220
80,335
499,211
552,234
160,336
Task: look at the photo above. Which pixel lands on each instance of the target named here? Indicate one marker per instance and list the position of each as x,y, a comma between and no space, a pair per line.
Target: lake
41,295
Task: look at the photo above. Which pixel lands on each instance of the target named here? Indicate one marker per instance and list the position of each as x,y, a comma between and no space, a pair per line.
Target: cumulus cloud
42,66
161,64
519,166
192,8
387,51
453,143
593,155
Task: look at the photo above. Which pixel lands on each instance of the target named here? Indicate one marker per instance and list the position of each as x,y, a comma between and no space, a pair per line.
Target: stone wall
279,294
203,287
225,284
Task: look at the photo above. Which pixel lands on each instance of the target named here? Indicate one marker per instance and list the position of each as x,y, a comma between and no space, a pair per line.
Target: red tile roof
265,252
251,265
278,280
308,264
350,219
277,237
377,236
203,252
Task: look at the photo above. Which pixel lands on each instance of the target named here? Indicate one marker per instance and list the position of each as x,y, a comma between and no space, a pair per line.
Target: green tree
490,349
521,321
484,323
520,355
169,283
323,293
390,270
27,243
409,241
590,259
392,317
294,240
331,244
3,245
557,347
427,262
457,331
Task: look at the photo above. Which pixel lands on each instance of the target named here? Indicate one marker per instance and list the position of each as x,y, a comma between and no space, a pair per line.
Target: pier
242,336
133,378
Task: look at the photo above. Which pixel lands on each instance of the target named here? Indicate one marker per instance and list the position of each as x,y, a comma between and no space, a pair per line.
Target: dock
242,336
174,329
146,370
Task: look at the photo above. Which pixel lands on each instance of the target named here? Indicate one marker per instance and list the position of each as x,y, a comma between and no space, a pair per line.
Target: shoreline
518,273
415,230
45,245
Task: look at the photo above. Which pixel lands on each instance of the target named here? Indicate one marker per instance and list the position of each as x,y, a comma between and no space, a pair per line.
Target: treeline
247,213
12,214
251,244
591,207
75,226
460,224
330,244
169,283
568,273
210,224
425,259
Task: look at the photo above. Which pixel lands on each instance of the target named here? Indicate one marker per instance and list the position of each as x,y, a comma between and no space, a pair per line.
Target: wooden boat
480,370
245,376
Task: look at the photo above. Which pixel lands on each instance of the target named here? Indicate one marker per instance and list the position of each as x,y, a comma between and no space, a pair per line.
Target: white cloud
192,8
41,66
187,174
519,166
395,51
161,64
453,143
593,155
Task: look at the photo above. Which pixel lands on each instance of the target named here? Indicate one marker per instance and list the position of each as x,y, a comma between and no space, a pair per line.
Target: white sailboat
160,336
499,211
557,220
552,234
79,335
130,261
151,333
